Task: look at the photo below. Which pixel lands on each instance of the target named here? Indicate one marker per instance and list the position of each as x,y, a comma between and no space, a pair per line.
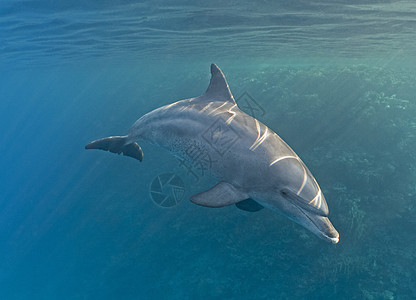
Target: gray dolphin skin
256,169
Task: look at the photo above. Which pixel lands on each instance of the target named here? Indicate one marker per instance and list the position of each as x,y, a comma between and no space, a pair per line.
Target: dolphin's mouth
324,229
334,240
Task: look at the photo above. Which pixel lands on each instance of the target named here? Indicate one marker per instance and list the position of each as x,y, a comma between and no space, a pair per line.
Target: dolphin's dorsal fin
218,89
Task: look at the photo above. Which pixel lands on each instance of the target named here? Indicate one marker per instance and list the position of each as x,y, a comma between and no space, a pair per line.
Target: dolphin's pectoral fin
117,144
249,205
220,195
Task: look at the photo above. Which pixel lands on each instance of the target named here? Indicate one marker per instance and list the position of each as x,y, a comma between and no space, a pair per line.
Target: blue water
335,79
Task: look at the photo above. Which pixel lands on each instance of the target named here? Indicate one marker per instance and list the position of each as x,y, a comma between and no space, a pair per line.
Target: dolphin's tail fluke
117,144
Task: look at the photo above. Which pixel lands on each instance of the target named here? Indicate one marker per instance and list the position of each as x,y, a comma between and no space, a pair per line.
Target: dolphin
256,169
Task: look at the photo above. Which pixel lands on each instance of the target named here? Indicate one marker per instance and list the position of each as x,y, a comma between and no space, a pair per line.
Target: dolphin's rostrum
255,167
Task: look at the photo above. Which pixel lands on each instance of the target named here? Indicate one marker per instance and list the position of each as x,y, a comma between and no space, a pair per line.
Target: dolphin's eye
283,193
